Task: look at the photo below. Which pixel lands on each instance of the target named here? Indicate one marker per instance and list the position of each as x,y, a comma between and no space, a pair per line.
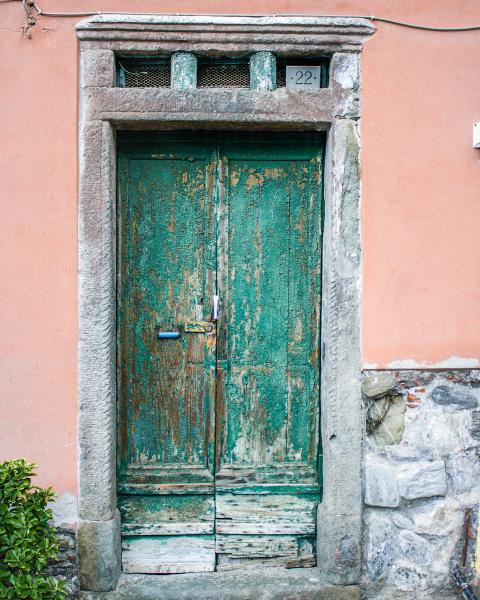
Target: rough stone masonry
421,475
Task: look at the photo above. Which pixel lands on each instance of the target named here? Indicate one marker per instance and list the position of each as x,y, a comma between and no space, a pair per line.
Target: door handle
168,335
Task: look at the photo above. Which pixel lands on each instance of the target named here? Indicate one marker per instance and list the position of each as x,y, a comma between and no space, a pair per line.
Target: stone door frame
105,108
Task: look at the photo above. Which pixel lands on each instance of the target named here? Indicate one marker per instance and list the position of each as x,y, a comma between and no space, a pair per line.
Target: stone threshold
241,584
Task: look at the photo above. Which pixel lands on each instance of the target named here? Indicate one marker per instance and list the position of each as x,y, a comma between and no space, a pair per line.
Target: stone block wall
66,567
421,479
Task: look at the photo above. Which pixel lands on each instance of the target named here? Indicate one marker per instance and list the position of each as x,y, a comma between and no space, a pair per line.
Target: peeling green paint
229,407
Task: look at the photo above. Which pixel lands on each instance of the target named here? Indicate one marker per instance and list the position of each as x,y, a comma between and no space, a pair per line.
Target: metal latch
199,327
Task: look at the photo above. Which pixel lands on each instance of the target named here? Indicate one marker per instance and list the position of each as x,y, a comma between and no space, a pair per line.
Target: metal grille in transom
223,75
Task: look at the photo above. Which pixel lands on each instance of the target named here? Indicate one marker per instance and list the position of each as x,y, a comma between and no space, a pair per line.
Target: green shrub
27,542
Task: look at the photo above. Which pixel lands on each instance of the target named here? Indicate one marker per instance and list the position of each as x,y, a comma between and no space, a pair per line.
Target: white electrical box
476,135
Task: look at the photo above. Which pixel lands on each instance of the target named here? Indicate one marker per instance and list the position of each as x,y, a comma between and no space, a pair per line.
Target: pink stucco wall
421,204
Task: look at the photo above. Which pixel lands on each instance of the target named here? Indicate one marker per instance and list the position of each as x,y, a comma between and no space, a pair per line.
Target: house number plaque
303,77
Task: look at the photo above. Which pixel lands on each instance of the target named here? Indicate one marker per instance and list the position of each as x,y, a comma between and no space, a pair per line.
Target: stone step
244,584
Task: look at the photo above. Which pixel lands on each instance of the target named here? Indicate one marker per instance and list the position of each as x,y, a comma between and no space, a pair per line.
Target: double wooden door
219,258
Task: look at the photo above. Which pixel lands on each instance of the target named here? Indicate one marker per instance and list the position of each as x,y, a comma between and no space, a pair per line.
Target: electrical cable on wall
33,11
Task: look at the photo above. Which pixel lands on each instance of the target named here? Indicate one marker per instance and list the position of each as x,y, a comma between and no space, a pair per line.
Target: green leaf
27,541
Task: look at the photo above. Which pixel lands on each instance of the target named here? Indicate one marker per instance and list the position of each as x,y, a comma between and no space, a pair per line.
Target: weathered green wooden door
218,436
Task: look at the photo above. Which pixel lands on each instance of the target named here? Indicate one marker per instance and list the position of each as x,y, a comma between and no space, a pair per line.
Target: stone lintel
315,106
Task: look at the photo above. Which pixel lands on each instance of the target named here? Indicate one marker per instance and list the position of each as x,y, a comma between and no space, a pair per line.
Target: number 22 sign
304,78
